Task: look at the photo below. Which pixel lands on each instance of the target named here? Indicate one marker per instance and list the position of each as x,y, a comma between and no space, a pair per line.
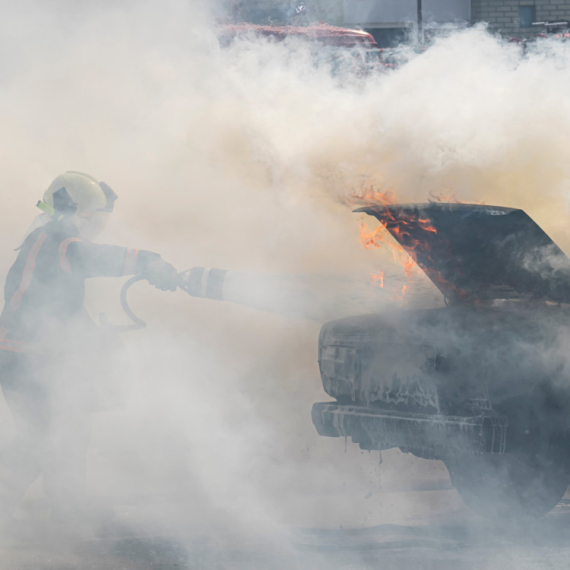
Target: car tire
509,485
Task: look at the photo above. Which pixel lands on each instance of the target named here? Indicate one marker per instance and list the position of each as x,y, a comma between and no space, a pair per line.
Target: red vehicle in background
341,48
322,33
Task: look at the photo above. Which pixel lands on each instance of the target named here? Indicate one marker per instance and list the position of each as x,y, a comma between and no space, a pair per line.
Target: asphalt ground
454,540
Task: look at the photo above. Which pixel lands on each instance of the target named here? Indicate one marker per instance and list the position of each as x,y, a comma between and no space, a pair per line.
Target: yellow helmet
76,192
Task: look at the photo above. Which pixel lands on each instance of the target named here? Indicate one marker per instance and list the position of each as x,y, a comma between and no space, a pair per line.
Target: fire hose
291,295
137,322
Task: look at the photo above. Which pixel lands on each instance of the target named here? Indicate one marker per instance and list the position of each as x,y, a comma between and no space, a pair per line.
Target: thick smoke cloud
239,158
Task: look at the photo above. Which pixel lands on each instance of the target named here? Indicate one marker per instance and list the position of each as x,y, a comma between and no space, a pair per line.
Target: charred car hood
478,252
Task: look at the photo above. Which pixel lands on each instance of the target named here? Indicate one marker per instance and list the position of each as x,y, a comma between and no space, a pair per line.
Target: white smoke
236,158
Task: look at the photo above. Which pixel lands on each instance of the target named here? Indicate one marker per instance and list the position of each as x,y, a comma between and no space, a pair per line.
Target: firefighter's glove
162,275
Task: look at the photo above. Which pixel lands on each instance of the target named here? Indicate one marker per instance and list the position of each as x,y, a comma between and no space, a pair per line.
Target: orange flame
381,237
400,229
378,278
371,239
398,224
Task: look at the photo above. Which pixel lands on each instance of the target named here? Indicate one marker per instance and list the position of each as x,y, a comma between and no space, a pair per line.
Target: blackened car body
482,384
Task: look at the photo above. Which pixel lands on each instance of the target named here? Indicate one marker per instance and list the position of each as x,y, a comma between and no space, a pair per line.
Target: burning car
482,384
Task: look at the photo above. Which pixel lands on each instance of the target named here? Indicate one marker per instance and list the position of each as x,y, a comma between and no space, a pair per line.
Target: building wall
379,13
503,15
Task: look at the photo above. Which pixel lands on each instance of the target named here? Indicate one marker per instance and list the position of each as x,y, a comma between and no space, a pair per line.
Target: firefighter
48,344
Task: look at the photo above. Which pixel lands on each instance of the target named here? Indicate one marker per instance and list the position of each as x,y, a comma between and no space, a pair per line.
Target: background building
390,21
515,17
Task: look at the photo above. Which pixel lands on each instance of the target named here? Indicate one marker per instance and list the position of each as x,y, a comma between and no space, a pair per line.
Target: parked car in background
342,49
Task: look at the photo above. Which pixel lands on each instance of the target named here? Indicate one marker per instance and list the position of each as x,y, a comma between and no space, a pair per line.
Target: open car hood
477,252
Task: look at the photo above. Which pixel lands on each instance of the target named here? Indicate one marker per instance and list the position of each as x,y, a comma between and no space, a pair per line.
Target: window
526,16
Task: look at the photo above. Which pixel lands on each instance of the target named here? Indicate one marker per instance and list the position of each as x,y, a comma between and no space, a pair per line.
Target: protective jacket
45,287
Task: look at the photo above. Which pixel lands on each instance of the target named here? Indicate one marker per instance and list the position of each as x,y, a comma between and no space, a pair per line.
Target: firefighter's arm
87,259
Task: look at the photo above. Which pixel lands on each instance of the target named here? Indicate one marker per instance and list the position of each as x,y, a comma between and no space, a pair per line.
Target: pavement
456,540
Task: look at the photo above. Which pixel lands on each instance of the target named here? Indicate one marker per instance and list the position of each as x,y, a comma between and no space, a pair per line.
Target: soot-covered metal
481,384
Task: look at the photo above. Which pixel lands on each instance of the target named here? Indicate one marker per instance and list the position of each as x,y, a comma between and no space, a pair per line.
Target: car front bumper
426,435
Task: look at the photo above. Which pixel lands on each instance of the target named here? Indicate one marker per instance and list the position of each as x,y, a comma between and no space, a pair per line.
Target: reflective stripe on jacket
45,287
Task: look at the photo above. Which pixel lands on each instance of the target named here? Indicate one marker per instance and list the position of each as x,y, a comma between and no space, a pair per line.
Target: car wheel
509,485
